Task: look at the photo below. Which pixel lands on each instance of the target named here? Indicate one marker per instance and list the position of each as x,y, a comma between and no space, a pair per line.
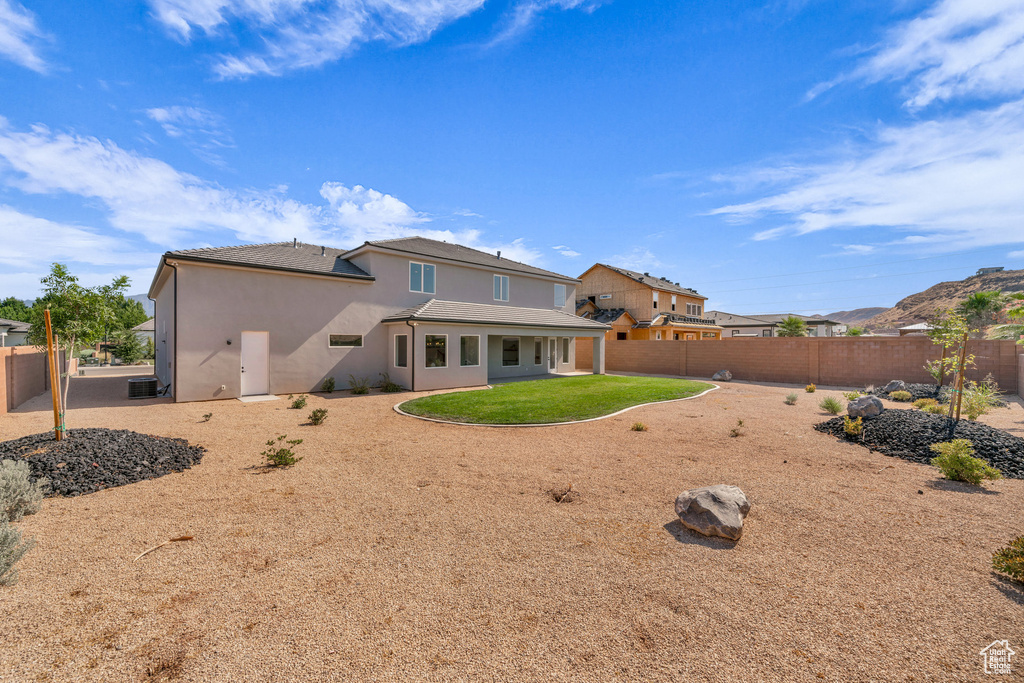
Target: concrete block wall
24,374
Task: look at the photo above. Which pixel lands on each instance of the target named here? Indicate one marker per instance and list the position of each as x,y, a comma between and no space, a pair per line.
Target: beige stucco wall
164,329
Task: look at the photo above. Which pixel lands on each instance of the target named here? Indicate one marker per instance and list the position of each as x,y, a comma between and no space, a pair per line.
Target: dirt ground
406,550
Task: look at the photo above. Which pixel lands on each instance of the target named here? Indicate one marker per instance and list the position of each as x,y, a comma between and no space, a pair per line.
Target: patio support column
598,355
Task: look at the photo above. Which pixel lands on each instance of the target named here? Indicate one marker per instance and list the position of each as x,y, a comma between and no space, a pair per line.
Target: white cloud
20,36
958,48
144,195
1016,254
638,258
526,13
566,251
202,131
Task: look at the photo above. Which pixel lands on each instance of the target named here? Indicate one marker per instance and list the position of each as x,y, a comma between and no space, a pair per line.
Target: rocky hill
856,316
919,307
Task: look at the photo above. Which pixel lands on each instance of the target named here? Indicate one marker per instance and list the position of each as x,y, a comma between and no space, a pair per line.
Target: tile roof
761,319
489,314
15,325
609,315
148,326
653,282
421,246
288,256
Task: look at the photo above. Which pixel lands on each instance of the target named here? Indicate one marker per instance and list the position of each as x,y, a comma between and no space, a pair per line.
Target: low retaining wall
24,374
830,361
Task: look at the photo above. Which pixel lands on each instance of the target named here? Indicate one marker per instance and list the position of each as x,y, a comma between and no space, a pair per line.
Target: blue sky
780,156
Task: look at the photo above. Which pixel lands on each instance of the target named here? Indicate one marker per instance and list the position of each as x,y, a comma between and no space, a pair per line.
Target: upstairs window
694,310
673,302
655,301
501,287
559,296
421,277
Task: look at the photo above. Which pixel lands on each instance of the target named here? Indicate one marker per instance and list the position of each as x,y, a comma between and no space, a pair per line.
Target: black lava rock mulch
88,460
908,434
919,391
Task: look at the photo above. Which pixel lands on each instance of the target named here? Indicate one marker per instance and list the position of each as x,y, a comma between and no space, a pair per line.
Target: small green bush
923,403
791,399
318,416
831,405
853,427
358,385
278,455
936,409
299,403
738,429
639,427
851,395
901,396
979,397
19,496
207,416
810,388
387,386
1010,560
11,550
328,386
957,462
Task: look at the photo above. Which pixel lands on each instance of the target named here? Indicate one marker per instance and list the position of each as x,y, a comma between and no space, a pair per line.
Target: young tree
951,330
129,349
854,331
15,309
78,315
792,327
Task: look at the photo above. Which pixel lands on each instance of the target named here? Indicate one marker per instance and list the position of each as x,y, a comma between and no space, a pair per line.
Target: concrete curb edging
398,409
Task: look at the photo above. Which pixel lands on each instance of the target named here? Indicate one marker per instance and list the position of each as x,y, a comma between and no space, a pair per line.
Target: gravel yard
405,550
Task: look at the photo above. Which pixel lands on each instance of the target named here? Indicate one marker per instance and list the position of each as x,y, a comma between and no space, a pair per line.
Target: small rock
920,492
895,385
865,406
722,376
714,510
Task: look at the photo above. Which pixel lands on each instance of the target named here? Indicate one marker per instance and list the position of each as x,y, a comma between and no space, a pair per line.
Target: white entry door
552,354
255,363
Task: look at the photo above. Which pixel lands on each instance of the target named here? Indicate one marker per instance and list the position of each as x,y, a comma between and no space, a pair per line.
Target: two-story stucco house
281,318
641,306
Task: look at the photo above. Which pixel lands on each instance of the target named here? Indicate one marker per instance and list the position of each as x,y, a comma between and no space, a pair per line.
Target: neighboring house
766,325
281,318
660,310
618,319
13,332
145,331
988,271
919,328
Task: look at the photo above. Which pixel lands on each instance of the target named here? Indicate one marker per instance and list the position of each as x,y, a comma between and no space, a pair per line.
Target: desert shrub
791,399
831,405
639,427
936,409
851,395
901,396
11,550
318,416
278,455
358,385
299,403
328,386
738,429
1010,560
853,427
810,388
957,462
387,386
19,496
978,397
207,416
923,403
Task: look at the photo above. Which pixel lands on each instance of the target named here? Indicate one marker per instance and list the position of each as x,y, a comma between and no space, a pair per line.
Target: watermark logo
997,657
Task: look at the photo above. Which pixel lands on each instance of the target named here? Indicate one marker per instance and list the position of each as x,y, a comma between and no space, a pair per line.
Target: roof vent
323,251
295,242
647,274
499,254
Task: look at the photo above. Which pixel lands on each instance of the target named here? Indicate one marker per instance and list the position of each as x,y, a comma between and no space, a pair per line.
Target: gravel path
405,550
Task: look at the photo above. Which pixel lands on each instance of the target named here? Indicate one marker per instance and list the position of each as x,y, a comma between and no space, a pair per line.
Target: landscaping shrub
923,403
318,416
810,388
937,409
851,395
358,385
207,416
639,427
979,397
791,399
387,386
1010,560
957,462
11,550
299,403
278,455
18,495
853,427
738,429
328,386
901,396
831,405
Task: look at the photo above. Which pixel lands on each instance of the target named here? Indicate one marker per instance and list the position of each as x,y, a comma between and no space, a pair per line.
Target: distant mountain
149,306
918,308
857,315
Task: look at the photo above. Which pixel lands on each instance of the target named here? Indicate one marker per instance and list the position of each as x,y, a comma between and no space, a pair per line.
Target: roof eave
236,264
457,321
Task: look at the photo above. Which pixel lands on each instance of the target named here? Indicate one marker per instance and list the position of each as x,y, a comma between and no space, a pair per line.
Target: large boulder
865,406
714,510
721,376
895,385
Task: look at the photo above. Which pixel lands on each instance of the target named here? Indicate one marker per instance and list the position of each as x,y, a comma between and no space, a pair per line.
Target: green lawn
544,401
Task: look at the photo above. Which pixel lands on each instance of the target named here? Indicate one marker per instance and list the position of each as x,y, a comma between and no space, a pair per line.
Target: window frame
405,356
519,352
344,346
423,266
538,350
673,302
655,299
566,355
503,286
621,336
426,349
565,295
469,365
